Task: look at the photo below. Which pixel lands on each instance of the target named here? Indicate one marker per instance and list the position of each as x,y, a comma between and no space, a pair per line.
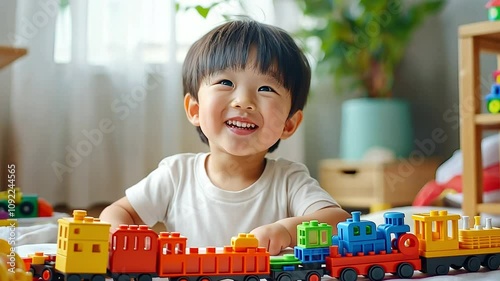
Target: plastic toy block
278,262
9,222
38,258
493,99
133,249
244,241
312,255
82,244
314,234
433,231
493,10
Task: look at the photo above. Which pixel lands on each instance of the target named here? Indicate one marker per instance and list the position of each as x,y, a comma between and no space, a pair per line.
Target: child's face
242,112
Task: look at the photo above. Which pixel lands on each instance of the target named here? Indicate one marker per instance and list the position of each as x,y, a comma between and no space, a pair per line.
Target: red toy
433,191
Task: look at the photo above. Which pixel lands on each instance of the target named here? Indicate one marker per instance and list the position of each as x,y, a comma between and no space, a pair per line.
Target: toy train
15,204
85,250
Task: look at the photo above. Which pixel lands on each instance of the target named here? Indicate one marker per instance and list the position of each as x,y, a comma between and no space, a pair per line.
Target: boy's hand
274,237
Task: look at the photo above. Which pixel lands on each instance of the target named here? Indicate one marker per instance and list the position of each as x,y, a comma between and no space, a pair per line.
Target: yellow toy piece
82,244
243,242
437,233
11,265
18,195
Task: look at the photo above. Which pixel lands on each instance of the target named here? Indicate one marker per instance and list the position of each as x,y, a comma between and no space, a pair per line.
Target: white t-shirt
180,194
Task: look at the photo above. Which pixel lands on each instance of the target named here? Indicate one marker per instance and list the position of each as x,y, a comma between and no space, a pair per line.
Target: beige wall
427,77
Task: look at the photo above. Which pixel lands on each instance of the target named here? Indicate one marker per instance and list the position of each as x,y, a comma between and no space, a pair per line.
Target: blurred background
96,102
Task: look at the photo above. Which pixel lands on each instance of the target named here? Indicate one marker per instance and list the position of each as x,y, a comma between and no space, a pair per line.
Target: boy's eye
226,83
266,89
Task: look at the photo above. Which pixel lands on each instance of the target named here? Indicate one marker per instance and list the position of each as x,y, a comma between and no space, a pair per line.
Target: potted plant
360,44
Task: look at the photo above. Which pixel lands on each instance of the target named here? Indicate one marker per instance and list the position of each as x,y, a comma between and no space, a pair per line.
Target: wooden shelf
489,208
474,39
10,54
488,121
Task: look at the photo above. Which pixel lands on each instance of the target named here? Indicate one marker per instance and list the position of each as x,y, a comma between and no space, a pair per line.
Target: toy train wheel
144,277
73,277
442,270
493,106
492,262
47,274
26,208
405,270
251,278
123,277
284,277
99,278
376,273
313,276
472,264
348,274
204,278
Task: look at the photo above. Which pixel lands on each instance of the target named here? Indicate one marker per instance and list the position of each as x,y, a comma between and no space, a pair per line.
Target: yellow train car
82,247
443,245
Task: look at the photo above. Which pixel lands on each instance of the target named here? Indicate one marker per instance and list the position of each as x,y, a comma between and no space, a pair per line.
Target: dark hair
227,47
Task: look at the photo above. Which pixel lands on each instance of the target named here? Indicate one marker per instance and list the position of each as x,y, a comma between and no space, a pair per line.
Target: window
151,31
368,230
356,231
77,247
96,248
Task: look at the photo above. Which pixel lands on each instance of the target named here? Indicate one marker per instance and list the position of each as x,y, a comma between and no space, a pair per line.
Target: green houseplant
360,45
362,42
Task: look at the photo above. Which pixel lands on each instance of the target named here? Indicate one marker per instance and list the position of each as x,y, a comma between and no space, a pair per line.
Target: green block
314,235
494,13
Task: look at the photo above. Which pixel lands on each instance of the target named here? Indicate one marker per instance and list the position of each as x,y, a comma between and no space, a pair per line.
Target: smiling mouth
241,125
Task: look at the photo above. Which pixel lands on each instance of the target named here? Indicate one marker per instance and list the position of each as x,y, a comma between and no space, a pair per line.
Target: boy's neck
234,173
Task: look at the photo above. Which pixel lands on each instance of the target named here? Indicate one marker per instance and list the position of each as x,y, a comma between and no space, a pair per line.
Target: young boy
245,85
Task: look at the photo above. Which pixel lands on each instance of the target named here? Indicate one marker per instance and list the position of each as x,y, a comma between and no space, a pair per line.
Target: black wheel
472,264
123,277
313,276
73,277
98,278
492,262
284,277
4,207
348,274
144,277
376,273
26,208
204,278
442,270
405,270
251,278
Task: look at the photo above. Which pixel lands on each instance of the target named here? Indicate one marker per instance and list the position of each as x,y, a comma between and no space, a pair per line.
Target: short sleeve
151,196
305,195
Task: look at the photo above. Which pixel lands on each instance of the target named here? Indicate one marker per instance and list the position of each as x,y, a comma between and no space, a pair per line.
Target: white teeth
240,124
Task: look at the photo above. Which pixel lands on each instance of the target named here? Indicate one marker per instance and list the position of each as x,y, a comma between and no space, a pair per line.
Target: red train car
133,253
208,263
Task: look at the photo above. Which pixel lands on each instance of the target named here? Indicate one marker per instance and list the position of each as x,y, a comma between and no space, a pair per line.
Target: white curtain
97,103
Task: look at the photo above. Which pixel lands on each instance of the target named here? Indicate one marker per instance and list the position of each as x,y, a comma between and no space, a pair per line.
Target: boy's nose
243,101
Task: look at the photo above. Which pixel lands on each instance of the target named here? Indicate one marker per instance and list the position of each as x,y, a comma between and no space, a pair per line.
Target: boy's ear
192,109
292,124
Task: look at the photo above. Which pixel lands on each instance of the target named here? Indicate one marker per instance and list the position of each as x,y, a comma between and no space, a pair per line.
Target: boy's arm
283,233
120,212
330,215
